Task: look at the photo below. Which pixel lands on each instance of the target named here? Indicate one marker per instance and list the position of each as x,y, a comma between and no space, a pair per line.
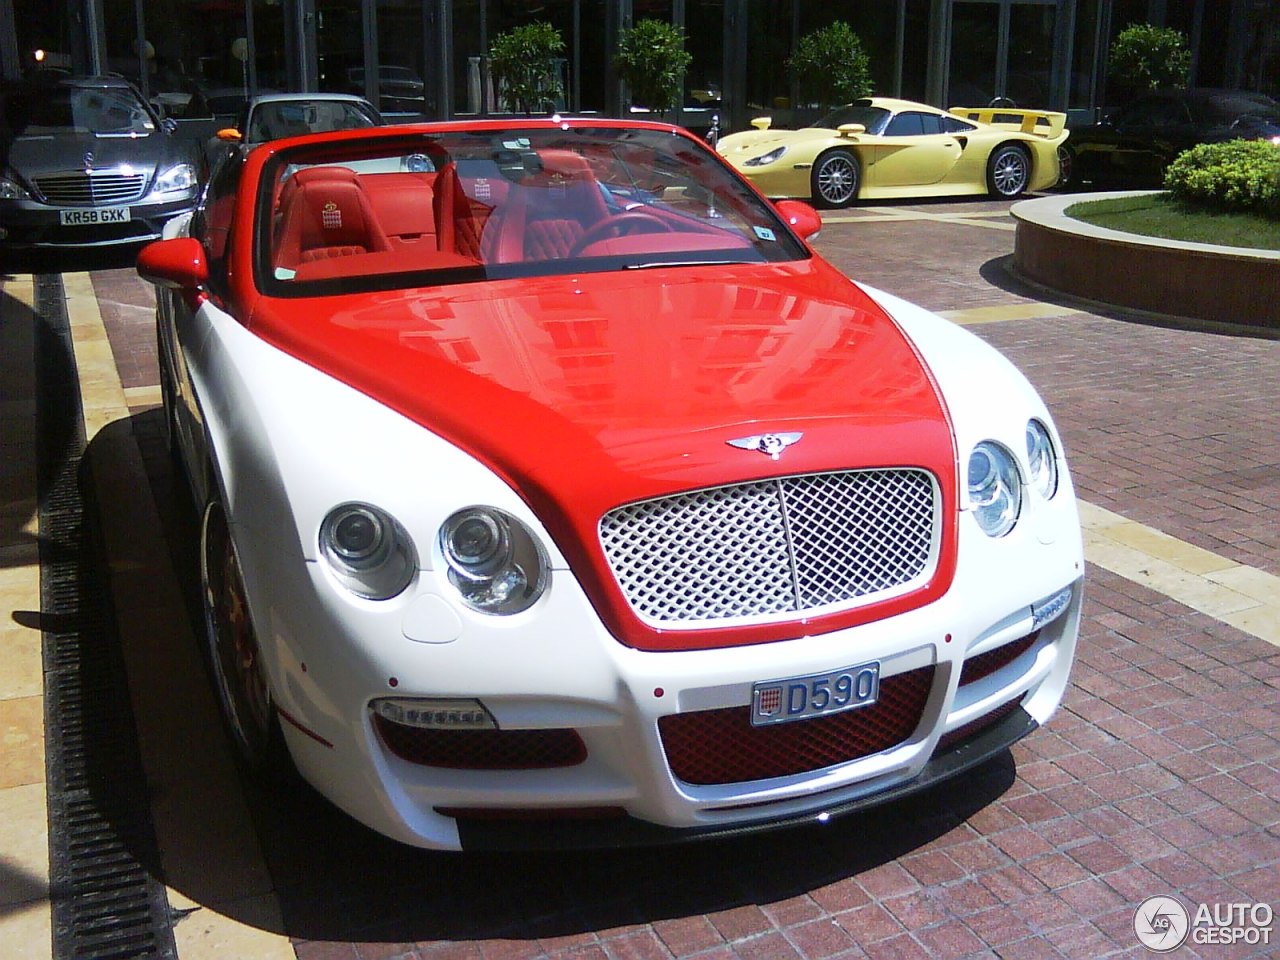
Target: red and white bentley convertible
548,475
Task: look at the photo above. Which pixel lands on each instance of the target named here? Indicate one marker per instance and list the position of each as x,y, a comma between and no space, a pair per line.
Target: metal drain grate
103,861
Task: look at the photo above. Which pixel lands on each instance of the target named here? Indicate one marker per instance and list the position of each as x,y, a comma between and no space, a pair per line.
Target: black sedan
1132,147
86,162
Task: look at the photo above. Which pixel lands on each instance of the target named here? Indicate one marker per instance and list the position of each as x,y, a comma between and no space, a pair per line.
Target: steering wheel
629,221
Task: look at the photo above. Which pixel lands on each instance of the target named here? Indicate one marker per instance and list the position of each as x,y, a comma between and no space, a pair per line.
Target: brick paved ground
1159,775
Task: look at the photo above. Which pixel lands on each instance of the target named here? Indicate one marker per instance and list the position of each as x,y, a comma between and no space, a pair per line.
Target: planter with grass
1208,248
1176,278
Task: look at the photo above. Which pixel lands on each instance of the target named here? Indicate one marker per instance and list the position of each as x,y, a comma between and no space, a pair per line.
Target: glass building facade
426,58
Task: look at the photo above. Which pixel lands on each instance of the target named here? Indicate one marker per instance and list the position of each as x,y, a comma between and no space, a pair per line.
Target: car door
913,150
1148,133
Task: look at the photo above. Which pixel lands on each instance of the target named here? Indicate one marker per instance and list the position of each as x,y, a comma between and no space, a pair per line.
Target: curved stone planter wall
1196,280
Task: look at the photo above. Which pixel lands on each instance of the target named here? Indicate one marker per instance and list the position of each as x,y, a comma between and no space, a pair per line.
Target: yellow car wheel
1008,172
835,179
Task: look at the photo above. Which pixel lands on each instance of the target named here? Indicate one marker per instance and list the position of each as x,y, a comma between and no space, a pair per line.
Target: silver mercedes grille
87,189
773,547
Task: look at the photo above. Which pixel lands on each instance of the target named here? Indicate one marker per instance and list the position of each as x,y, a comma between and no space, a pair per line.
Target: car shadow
339,881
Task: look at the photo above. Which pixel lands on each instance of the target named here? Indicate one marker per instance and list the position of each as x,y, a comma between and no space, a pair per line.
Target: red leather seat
327,217
461,220
547,212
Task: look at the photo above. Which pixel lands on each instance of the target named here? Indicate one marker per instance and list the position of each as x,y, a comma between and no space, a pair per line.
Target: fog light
435,714
1051,609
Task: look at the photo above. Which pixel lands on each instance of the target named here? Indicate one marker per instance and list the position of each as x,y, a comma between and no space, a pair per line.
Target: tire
169,403
1066,169
1008,172
235,658
835,179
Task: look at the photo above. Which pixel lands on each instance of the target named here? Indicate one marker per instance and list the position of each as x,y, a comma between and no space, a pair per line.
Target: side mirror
170,125
177,264
762,123
801,217
230,135
850,129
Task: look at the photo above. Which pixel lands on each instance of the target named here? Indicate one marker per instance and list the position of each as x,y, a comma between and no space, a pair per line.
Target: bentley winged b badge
769,443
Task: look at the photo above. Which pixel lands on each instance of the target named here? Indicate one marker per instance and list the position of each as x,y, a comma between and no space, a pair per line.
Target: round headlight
1042,463
477,543
995,489
493,561
371,554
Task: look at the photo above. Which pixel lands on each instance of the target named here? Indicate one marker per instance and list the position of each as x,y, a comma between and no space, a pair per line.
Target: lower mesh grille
985,664
779,546
721,746
482,749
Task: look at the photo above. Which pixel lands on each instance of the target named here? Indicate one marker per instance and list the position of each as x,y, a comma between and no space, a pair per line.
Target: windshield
46,111
483,204
873,118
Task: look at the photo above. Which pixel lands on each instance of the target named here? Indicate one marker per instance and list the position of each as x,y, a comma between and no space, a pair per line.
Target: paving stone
1158,776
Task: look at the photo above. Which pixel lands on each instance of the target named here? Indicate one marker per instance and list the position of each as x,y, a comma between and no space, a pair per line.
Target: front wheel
234,653
1008,172
835,179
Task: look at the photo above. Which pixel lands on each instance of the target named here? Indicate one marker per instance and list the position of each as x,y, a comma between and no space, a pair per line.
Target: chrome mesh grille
773,547
85,189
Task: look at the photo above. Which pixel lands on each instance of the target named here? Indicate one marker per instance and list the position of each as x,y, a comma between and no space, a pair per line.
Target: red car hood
586,392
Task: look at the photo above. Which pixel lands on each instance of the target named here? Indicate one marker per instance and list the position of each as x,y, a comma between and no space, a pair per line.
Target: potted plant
652,60
830,67
523,63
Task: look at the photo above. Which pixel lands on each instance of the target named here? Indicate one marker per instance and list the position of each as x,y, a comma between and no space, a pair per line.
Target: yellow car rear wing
1043,123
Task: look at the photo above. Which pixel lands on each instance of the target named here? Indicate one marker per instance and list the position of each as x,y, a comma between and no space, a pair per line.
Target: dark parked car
85,161
1132,147
399,88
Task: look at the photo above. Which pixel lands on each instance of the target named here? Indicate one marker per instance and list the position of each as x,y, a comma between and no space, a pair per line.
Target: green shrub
830,65
523,64
1145,58
651,58
1237,175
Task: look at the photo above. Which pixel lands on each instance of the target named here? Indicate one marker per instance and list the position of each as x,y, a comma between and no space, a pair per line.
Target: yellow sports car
881,148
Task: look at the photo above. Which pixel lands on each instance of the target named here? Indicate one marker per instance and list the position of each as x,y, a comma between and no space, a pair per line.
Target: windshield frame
753,230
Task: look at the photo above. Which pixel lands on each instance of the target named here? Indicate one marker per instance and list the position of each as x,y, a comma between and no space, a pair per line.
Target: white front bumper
556,667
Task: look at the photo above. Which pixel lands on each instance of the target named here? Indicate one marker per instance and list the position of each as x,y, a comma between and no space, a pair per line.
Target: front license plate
819,694
81,218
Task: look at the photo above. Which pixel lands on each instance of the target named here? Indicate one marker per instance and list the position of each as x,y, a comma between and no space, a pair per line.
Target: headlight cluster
10,190
996,484
492,559
766,158
494,562
369,552
181,176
